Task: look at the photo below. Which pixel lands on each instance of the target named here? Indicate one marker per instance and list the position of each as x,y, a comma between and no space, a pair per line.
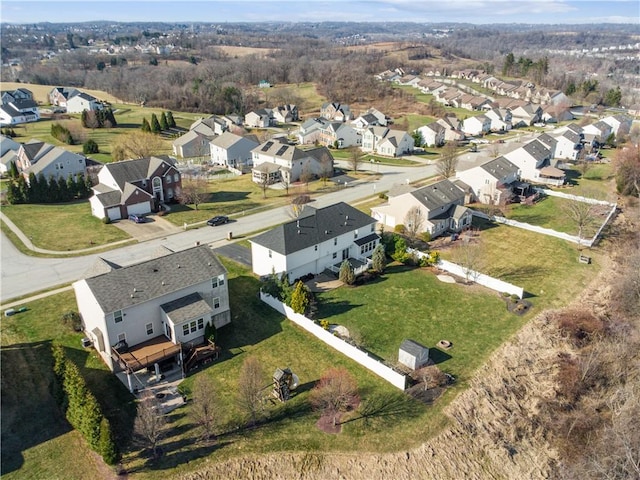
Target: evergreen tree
300,298
509,62
63,190
90,146
347,276
35,191
54,192
106,444
170,121
145,125
155,124
164,125
72,187
88,186
13,171
14,194
379,259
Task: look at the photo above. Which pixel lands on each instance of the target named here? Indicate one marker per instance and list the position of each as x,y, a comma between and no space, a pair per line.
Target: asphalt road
22,274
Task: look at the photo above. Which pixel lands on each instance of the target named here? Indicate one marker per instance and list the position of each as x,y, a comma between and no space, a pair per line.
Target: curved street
23,274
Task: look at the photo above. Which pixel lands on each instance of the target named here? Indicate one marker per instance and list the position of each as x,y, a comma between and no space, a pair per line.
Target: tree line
39,189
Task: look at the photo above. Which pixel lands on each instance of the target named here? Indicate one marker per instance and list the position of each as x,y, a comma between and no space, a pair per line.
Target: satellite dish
295,381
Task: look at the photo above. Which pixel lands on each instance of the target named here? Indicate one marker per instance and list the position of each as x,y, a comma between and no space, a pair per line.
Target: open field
64,226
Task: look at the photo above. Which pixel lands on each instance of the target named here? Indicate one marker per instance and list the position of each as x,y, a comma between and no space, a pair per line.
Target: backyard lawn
62,227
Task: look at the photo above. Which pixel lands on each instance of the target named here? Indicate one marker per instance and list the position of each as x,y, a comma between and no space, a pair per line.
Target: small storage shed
412,354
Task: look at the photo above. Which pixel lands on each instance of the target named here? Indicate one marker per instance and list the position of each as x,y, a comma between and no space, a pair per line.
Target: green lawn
413,303
547,213
62,227
598,181
345,154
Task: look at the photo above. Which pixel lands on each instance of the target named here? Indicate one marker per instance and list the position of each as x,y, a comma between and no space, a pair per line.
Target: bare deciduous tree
469,254
431,377
627,165
250,388
150,425
205,409
448,160
336,392
136,145
195,190
355,158
414,222
326,167
583,216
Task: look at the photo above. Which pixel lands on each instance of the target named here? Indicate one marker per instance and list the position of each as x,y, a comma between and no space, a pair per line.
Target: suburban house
492,181
336,111
340,135
319,239
262,118
556,114
568,144
18,111
44,159
192,144
597,133
277,161
500,119
285,113
619,123
232,151
534,162
10,96
478,125
210,126
150,314
8,153
433,134
136,186
526,115
441,208
309,131
73,100
453,131
384,141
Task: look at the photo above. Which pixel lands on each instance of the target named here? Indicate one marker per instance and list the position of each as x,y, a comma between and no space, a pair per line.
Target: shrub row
81,407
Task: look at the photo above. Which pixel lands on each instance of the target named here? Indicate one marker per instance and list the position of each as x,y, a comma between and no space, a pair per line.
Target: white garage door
113,213
139,208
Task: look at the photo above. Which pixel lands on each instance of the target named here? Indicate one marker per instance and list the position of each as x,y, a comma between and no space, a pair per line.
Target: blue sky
215,11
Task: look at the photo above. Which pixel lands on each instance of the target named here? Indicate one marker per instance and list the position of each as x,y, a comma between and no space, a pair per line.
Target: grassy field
62,227
597,182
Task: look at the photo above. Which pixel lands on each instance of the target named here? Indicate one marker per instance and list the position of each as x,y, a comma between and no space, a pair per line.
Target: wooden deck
147,353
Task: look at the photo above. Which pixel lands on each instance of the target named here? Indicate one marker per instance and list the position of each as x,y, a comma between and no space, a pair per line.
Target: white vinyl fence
477,277
396,379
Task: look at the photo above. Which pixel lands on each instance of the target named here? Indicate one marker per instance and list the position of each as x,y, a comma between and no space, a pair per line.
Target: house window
122,337
315,247
168,179
149,328
221,280
214,282
216,302
335,255
117,316
185,329
194,326
200,323
176,178
355,234
373,227
269,253
335,241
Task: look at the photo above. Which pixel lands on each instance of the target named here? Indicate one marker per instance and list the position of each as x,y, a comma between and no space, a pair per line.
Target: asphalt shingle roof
138,169
139,283
499,167
438,195
186,308
313,226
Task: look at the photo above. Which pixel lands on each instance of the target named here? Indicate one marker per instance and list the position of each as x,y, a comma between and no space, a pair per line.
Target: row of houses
18,106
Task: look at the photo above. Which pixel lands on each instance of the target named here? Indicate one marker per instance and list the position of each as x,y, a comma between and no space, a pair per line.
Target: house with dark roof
492,181
319,239
73,100
310,130
336,111
44,159
153,312
534,160
597,133
18,111
8,153
261,118
568,144
10,96
432,134
440,206
277,161
137,186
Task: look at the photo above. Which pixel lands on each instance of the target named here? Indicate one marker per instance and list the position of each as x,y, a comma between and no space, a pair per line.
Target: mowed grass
62,227
410,303
37,441
597,182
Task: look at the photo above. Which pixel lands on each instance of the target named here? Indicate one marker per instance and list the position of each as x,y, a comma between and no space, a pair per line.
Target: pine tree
23,189
145,125
14,195
379,259
13,171
88,186
155,124
53,195
347,276
170,121
164,125
35,190
63,190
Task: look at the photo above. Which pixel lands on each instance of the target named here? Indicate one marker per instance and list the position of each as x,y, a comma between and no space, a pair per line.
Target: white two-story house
319,239
491,182
153,312
384,141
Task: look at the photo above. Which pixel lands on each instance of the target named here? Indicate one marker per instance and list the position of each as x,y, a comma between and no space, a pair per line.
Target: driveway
153,227
235,252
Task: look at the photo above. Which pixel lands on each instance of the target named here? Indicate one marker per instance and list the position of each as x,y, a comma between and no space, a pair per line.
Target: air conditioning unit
86,342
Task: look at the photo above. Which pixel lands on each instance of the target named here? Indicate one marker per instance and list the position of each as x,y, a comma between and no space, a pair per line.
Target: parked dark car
217,220
136,218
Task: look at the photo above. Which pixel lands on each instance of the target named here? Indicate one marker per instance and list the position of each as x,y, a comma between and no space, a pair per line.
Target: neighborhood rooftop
438,194
126,286
313,226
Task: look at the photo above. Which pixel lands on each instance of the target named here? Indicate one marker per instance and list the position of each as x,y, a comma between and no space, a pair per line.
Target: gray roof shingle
438,195
139,283
186,308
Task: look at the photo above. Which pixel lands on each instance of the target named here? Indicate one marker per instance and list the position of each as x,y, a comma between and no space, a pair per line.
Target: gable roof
312,227
438,194
137,169
499,167
144,281
228,139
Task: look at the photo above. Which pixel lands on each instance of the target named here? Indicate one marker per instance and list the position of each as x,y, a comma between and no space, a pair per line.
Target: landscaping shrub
383,196
61,133
72,320
401,229
300,298
347,276
106,220
425,237
90,146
